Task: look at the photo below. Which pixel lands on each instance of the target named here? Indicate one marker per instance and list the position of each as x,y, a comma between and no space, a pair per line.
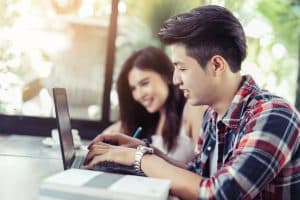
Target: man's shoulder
254,96
263,101
265,107
270,111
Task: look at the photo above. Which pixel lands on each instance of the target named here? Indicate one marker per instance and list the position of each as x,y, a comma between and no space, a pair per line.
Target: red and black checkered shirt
259,148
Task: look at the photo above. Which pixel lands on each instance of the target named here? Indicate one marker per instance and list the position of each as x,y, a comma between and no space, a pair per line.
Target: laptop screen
64,126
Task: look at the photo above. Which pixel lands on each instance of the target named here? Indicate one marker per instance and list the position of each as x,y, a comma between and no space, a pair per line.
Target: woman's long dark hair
132,114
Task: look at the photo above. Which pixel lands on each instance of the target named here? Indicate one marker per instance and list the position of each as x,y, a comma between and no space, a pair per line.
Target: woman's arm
192,120
170,160
114,128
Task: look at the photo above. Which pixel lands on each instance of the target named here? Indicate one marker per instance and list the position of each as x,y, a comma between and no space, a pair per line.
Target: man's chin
193,102
190,101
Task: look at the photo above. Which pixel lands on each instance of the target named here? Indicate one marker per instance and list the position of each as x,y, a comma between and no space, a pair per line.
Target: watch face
146,149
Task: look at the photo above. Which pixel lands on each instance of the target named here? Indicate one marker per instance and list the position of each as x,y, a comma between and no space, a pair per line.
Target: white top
214,158
184,151
213,167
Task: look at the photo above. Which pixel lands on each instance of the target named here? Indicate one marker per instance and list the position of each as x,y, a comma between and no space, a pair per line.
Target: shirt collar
237,107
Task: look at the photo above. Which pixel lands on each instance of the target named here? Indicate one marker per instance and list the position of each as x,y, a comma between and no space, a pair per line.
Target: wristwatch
140,152
147,141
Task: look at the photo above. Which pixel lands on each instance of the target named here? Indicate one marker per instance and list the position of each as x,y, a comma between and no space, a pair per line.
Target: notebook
80,184
69,157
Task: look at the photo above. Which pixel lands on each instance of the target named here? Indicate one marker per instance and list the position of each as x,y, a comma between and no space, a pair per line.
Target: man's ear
218,65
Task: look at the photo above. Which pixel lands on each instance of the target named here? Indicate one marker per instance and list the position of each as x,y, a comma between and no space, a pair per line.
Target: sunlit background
62,43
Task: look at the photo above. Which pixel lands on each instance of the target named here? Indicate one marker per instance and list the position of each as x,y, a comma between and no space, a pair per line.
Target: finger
100,144
97,150
99,138
95,161
95,140
90,156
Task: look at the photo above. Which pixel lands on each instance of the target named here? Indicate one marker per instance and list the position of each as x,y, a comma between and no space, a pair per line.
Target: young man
250,146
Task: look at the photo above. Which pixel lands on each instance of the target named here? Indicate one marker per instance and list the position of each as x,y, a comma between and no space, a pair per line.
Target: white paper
73,177
142,186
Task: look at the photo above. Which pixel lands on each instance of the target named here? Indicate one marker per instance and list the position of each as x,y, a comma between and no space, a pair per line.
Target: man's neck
227,92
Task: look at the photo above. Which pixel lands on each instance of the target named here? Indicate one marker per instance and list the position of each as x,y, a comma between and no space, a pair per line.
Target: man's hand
101,152
117,139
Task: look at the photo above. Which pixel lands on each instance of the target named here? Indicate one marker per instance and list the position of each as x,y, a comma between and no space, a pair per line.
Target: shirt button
209,148
220,124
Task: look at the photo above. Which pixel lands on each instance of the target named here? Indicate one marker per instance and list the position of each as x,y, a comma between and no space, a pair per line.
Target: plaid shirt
259,148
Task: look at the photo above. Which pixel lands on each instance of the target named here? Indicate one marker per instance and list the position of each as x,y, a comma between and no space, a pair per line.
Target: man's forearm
184,183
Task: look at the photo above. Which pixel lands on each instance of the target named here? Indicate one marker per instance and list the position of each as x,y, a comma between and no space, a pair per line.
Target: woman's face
149,89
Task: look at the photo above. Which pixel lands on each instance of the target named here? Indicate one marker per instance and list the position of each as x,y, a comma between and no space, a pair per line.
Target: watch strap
140,152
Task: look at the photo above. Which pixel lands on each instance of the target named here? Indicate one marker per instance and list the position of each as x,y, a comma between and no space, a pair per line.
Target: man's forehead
177,47
178,52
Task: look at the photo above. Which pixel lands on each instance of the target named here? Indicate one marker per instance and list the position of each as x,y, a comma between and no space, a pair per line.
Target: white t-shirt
213,160
184,151
213,167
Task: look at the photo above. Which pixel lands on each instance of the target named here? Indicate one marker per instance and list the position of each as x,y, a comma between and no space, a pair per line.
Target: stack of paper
92,185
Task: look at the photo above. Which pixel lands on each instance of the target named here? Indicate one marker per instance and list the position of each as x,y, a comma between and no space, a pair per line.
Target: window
54,44
68,43
50,44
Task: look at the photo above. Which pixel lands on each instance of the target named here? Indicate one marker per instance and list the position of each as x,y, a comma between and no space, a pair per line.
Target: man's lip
186,92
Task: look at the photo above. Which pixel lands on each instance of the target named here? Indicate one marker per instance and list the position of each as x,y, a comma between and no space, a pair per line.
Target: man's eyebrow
144,79
177,63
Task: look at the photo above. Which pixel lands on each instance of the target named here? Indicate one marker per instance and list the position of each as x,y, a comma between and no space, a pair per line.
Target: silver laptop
70,159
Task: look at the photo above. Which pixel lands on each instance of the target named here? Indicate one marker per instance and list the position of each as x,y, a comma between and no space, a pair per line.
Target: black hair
132,114
207,31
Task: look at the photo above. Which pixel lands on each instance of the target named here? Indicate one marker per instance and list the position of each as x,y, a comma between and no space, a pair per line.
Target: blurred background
68,43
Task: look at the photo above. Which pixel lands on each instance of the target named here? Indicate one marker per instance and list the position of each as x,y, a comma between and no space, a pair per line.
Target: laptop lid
64,126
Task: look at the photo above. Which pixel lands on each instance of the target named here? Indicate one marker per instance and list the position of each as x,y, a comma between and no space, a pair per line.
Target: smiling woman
148,98
149,89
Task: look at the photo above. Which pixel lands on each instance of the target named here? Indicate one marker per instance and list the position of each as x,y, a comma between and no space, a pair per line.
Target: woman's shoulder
192,120
191,111
184,150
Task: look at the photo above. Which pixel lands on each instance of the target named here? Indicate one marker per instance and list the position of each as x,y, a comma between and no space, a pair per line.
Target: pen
137,132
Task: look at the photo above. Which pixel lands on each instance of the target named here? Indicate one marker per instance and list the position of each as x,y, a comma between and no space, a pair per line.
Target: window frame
88,129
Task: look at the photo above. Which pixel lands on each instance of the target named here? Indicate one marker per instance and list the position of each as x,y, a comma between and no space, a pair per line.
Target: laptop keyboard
115,168
78,162
105,166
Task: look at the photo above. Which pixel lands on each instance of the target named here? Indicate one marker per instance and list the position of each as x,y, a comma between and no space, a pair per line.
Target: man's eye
182,69
144,83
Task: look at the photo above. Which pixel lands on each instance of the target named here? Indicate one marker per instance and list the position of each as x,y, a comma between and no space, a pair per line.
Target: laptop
69,157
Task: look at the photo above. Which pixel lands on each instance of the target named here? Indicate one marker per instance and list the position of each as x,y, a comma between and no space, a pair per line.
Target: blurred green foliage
283,16
155,12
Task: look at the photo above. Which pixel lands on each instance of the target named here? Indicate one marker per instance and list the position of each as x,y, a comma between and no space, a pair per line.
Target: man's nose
176,78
